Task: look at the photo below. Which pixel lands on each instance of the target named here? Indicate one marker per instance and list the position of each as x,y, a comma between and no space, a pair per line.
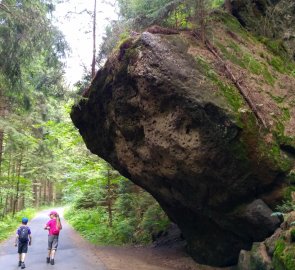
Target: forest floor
148,258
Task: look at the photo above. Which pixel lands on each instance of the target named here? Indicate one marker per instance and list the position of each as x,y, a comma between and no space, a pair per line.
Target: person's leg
19,259
52,256
54,247
19,251
52,253
50,240
48,256
23,255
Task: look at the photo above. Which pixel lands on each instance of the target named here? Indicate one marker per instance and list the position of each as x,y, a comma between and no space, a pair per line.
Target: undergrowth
9,223
93,225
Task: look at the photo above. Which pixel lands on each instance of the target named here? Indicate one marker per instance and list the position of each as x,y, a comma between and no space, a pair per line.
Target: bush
136,217
10,223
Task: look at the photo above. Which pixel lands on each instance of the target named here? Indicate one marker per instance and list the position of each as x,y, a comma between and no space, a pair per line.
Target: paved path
73,252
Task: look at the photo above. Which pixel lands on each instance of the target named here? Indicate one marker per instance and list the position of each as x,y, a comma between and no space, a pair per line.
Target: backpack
23,235
55,229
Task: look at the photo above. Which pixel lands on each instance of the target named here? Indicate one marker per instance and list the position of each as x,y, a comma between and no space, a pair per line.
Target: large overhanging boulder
154,114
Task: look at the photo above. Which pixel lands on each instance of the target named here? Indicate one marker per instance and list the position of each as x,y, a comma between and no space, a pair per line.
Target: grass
284,256
236,55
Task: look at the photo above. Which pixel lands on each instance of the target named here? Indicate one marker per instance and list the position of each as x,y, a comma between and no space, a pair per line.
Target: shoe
19,264
48,260
52,261
23,265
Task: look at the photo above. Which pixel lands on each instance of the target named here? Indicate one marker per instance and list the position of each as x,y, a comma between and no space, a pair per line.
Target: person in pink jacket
53,226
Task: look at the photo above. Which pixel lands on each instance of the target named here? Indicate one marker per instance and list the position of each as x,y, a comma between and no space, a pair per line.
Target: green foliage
286,206
31,92
137,15
232,24
135,8
10,223
136,217
44,159
291,177
275,46
283,258
217,3
288,194
26,36
281,65
281,60
245,60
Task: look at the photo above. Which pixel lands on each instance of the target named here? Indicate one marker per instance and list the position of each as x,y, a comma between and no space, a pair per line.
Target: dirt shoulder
148,258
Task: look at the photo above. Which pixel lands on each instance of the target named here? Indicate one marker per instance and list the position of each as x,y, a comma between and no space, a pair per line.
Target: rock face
272,18
155,116
276,252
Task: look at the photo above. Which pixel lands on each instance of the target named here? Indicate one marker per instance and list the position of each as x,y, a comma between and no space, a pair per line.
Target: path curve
73,251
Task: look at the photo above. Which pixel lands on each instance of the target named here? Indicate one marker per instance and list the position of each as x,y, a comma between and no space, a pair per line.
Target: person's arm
47,227
30,236
16,240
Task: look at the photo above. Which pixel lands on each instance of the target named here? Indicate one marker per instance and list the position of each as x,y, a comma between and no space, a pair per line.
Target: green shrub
136,217
10,223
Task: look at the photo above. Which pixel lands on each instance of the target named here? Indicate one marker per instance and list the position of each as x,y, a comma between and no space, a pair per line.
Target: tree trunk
109,199
44,192
94,42
40,194
7,200
22,202
228,6
2,116
201,18
50,192
12,180
18,172
6,206
34,190
10,205
54,194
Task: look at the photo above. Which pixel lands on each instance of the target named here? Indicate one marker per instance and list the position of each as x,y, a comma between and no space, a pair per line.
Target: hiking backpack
23,235
56,228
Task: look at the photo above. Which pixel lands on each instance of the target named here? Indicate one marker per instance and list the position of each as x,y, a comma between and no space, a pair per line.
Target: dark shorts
22,247
52,241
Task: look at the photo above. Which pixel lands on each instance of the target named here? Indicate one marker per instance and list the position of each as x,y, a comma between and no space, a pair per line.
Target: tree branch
5,8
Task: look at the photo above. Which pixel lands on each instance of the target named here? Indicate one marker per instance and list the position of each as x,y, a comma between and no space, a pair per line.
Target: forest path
76,253
73,251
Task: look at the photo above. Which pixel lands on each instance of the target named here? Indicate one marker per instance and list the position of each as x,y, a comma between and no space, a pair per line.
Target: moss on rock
284,256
